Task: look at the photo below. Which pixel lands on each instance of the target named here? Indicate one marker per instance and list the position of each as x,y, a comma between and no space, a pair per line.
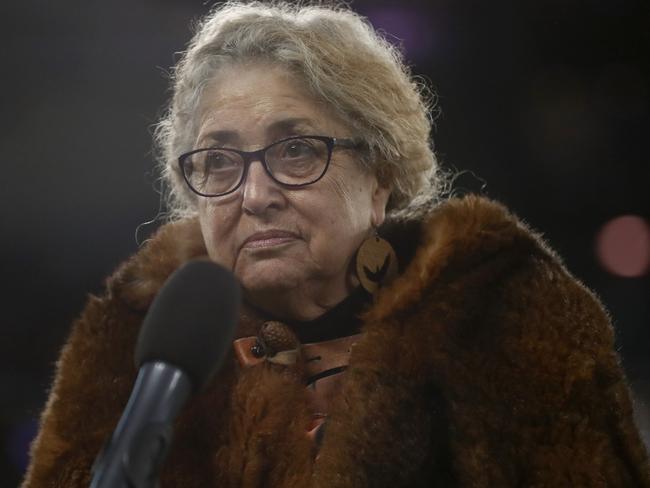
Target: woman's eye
218,161
298,149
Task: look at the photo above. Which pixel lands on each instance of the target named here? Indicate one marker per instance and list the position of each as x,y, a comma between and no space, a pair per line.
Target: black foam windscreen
192,320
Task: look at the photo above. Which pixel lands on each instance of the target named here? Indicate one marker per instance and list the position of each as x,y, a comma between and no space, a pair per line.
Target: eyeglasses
292,162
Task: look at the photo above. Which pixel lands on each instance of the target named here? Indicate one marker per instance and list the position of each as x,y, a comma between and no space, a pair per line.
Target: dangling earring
376,263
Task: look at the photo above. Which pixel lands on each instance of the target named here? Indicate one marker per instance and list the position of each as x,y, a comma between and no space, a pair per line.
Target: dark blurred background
545,105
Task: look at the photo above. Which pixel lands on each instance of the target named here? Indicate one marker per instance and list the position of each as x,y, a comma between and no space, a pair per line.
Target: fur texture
484,364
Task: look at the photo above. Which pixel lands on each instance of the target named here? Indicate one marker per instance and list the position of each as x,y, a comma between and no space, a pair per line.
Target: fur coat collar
485,363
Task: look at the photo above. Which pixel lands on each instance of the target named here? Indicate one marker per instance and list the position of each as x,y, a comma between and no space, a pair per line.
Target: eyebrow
280,128
291,125
220,137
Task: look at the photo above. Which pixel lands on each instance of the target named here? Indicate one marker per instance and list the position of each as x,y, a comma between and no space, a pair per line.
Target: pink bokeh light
623,246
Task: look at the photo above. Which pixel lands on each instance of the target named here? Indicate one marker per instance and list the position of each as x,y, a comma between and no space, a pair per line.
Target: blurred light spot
19,438
623,246
408,27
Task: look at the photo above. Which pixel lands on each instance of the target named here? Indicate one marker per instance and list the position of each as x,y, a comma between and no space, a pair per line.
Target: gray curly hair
343,62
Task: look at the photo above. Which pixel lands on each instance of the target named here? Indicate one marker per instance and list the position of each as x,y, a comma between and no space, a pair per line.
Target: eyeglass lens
298,161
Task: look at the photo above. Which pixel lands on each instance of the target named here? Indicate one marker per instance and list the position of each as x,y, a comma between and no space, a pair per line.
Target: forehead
250,100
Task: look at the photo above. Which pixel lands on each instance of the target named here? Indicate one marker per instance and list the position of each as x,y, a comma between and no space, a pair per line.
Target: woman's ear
380,195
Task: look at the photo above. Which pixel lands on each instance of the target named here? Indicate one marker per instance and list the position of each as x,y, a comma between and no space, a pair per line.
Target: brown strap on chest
324,364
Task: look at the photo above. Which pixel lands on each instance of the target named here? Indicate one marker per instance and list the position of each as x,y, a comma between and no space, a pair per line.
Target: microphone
182,343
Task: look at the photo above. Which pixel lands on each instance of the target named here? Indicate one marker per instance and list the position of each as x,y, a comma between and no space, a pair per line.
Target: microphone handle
133,455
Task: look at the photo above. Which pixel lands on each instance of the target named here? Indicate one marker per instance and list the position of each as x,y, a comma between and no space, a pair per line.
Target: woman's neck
303,302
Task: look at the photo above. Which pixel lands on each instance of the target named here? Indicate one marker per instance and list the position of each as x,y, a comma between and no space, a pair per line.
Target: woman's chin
268,276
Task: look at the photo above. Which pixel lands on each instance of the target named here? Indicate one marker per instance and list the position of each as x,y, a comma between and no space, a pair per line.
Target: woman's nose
260,193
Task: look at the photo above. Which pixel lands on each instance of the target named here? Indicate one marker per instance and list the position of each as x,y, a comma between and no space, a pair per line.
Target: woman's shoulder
477,267
467,228
462,237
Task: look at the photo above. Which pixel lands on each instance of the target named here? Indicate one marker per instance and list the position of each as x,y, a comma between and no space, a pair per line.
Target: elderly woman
439,343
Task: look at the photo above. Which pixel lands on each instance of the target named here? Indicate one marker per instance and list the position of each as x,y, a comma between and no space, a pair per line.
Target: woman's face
291,248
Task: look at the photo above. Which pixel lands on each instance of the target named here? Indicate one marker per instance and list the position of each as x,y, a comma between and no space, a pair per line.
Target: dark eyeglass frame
260,155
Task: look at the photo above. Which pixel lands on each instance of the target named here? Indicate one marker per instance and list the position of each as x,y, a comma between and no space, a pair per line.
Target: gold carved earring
376,263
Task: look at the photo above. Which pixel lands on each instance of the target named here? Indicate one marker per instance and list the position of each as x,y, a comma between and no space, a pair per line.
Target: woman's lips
268,238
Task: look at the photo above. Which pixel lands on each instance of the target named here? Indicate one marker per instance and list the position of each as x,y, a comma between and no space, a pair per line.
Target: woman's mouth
269,238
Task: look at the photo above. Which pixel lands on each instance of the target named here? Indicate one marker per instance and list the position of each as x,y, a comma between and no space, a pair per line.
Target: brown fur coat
484,364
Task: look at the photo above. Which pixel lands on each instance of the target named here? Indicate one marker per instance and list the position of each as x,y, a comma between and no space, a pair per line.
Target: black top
342,320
